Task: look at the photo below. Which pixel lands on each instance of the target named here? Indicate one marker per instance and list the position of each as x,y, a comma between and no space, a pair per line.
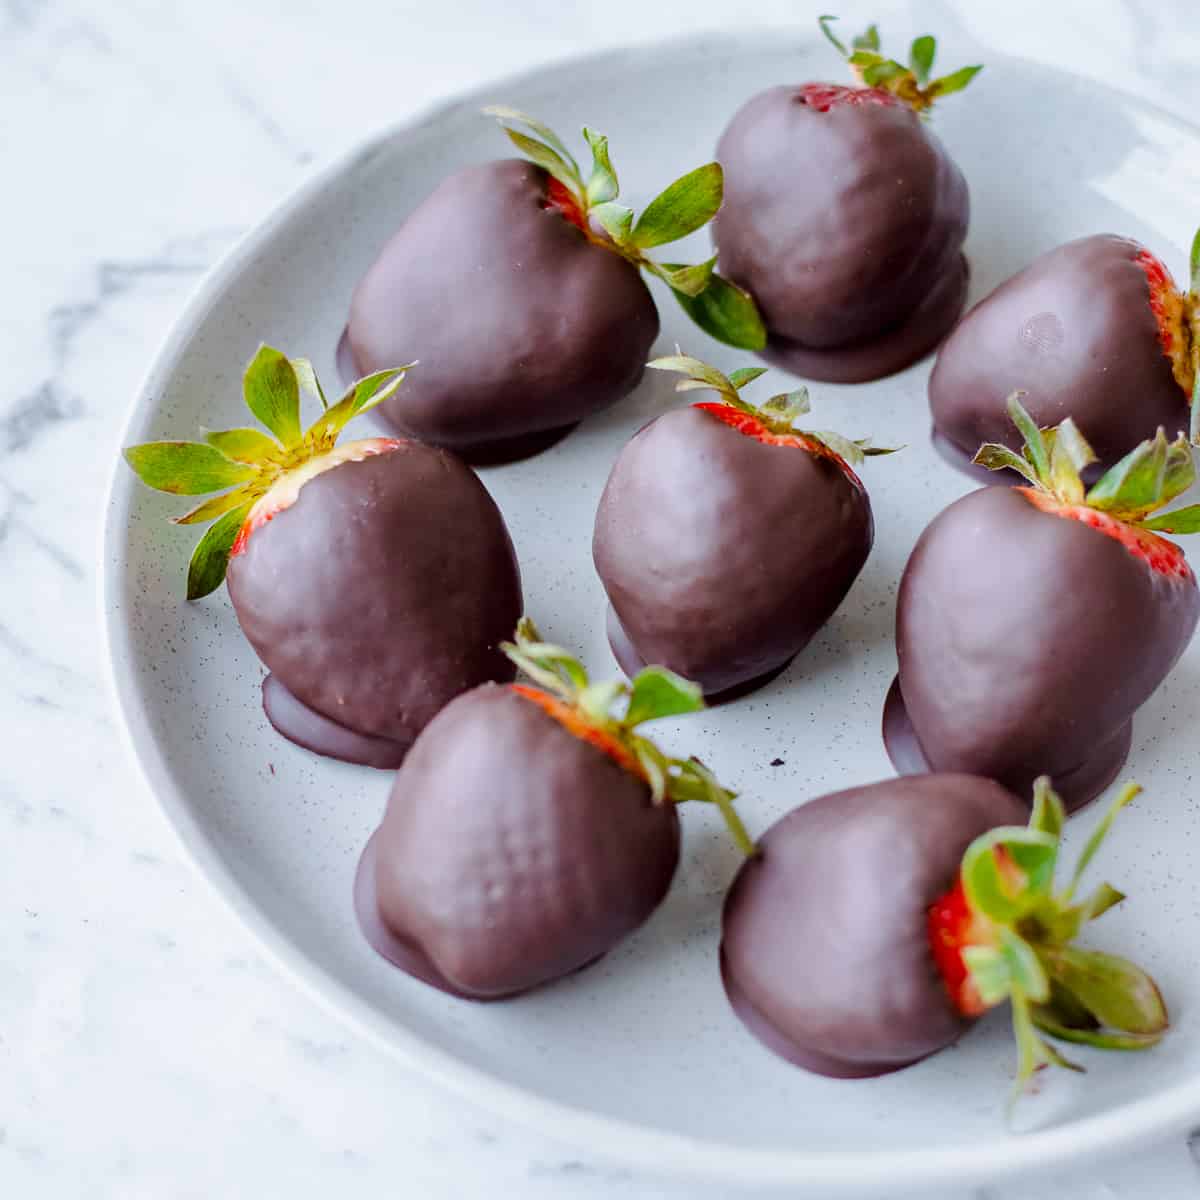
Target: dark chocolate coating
519,322
825,948
1026,641
318,733
1075,330
383,592
841,223
512,852
723,555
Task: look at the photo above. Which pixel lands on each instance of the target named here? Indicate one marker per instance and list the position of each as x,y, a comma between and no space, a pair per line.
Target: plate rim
659,1152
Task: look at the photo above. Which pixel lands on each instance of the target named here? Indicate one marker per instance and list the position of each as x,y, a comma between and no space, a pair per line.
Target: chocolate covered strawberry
845,217
726,537
875,925
1032,622
518,285
531,828
375,578
1095,330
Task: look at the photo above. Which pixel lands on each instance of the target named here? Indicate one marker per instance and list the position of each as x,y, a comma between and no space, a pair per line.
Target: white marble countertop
147,1051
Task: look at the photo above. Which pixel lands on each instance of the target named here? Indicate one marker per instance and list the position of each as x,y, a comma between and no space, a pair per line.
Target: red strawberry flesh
1169,308
286,491
1156,552
575,723
824,96
954,927
751,426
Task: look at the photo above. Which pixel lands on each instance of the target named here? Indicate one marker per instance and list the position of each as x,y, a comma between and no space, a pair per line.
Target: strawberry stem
777,415
727,312
908,82
614,710
1025,953
250,462
1133,491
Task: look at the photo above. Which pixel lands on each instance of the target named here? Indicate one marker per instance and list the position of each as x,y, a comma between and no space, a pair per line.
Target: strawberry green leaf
549,160
989,972
699,374
726,313
694,779
615,219
881,72
503,112
920,57
868,40
272,393
1148,477
1194,266
185,468
654,763
995,457
657,693
825,22
206,571
1119,994
1049,815
992,886
1024,968
954,82
685,280
217,506
307,375
1100,901
249,446
745,375
1098,1039
865,58
602,184
1035,443
681,208
1069,455
1182,520
361,397
781,411
1100,833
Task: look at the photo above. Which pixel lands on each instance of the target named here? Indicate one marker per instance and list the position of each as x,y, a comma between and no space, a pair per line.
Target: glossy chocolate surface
825,951
1026,641
520,324
512,852
382,593
723,555
318,733
847,227
1075,331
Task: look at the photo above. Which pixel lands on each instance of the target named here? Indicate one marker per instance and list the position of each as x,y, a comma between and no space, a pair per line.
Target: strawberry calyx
259,474
1177,314
1006,932
608,716
908,82
1123,503
772,422
591,204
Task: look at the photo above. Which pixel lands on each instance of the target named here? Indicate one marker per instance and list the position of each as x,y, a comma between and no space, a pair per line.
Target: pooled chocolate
512,851
520,323
844,217
375,598
722,555
1077,332
1026,641
825,951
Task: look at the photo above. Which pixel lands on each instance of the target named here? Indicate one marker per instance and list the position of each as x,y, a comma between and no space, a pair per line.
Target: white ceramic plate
640,1058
